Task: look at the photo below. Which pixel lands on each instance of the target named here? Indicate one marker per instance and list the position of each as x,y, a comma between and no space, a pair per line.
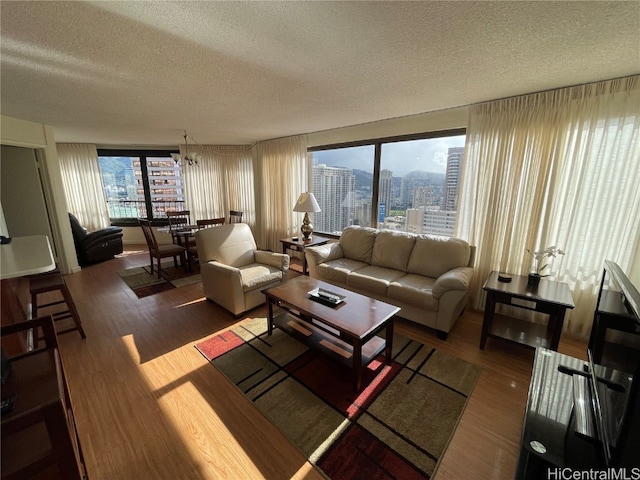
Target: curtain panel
222,181
83,184
558,168
282,168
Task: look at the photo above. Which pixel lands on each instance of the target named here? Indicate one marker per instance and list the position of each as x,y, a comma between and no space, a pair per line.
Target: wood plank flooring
149,406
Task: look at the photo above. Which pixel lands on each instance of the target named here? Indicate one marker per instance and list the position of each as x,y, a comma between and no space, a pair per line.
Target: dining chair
210,222
161,251
235,216
179,219
192,251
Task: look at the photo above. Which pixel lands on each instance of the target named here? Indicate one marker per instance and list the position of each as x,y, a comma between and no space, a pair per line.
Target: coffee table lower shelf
316,336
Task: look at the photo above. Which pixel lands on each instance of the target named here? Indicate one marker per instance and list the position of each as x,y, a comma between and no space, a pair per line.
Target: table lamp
306,203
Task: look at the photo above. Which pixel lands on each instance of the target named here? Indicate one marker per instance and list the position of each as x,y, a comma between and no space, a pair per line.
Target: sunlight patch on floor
192,302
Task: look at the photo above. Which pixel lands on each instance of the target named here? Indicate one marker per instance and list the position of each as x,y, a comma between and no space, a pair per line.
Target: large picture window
402,183
140,184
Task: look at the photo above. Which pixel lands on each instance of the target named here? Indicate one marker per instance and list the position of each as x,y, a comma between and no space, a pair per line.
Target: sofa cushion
415,290
433,255
392,249
373,279
257,275
336,271
357,243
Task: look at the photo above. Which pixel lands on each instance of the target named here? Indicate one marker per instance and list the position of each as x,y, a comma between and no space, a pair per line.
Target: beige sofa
426,276
234,272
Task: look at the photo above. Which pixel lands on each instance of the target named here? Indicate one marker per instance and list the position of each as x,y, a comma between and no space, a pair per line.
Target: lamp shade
306,203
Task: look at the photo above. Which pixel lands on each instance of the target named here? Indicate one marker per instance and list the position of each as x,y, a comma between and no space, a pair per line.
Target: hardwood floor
149,406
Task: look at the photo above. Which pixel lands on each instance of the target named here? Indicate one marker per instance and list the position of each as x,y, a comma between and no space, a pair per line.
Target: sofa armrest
323,253
455,279
278,260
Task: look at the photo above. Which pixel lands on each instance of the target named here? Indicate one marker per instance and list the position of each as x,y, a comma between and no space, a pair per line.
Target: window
142,184
412,182
343,186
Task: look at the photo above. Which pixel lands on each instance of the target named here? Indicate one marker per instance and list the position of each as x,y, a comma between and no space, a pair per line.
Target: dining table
183,233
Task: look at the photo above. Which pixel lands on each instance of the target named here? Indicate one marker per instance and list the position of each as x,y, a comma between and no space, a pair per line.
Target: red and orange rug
398,426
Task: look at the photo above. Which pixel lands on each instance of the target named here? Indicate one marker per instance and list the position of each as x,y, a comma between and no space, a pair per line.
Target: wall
134,236
425,122
39,137
21,191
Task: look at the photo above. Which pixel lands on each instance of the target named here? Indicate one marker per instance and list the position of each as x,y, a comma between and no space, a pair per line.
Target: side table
298,245
549,297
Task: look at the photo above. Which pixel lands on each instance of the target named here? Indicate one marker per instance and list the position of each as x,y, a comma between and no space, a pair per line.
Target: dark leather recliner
96,246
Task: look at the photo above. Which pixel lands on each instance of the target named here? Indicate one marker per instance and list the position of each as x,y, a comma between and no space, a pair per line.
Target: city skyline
401,158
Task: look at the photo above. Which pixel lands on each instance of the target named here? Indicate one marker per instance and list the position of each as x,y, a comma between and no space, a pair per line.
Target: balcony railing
130,209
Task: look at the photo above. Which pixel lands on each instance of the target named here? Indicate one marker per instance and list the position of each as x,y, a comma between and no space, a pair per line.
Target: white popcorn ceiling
139,73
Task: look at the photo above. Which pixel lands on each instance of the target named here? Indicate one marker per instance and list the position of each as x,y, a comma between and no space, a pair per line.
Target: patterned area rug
397,427
144,283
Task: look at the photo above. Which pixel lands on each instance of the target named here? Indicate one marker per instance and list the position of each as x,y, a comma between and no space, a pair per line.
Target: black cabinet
549,437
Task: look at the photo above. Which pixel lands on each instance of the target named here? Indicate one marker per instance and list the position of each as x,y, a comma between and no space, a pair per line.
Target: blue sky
400,157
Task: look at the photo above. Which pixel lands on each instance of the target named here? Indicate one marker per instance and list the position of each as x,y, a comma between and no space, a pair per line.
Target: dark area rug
143,283
398,426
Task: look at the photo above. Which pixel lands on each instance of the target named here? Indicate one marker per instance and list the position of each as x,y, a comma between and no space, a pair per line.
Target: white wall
39,137
426,122
21,192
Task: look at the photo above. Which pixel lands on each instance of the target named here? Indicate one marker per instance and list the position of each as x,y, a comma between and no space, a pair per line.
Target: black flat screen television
614,369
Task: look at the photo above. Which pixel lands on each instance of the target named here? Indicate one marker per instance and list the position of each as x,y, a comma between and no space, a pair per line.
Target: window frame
143,155
377,157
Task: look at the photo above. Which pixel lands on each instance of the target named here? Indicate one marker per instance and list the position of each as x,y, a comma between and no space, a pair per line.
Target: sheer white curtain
556,168
83,184
282,175
222,181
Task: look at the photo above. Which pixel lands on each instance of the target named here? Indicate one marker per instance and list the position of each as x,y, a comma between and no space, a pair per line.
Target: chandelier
189,158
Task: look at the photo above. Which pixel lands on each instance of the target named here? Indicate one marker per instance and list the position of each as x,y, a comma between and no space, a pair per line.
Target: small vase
533,279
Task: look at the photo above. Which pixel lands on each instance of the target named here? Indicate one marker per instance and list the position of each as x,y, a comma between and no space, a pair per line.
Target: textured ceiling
139,73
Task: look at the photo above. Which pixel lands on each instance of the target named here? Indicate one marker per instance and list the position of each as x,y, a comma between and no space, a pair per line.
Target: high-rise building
384,193
455,158
424,197
431,221
438,222
335,190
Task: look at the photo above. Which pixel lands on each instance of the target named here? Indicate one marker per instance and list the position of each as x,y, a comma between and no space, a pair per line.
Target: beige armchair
234,272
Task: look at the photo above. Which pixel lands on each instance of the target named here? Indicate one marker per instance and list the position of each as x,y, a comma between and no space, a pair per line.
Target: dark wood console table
39,437
549,297
549,441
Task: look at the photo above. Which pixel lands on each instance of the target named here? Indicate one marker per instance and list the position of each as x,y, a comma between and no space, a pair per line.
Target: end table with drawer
549,297
298,244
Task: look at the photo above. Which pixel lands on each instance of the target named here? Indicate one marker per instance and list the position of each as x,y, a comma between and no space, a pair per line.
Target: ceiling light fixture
189,158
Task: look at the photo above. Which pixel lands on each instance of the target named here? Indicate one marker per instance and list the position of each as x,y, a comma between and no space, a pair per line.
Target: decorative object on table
504,277
538,267
335,427
189,158
326,297
306,203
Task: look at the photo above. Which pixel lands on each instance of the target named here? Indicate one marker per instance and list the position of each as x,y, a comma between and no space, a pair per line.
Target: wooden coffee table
346,332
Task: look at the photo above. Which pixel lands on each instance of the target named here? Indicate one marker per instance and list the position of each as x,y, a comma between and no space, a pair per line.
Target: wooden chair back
177,219
210,222
152,243
235,216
